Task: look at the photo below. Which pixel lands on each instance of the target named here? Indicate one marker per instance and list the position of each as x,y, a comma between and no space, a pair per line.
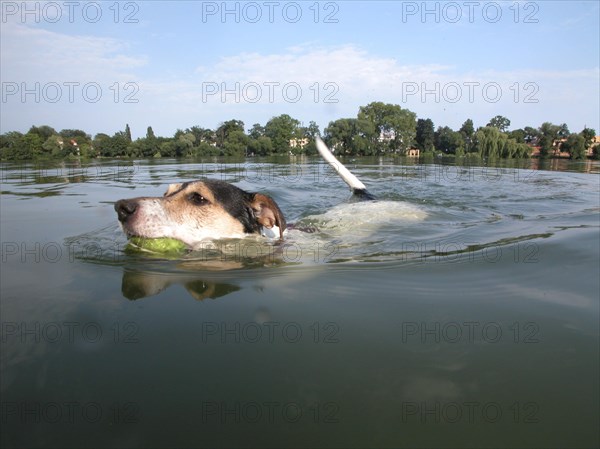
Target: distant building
595,143
298,143
556,148
387,136
412,152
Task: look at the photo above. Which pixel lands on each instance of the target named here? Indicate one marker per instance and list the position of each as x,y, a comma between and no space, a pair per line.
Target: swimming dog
202,210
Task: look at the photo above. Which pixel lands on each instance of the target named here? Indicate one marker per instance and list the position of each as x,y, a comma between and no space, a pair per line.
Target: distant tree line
378,128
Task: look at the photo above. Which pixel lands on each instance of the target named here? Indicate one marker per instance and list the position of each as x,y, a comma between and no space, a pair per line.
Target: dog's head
201,210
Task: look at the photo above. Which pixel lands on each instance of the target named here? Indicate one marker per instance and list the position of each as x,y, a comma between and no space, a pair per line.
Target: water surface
460,310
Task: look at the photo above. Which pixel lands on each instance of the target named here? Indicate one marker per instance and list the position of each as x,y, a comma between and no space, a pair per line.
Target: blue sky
99,65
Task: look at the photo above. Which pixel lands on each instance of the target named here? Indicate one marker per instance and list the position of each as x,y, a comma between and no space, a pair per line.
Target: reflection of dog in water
197,211
140,284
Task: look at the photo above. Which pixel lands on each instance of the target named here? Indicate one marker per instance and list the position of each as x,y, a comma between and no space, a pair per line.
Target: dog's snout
125,208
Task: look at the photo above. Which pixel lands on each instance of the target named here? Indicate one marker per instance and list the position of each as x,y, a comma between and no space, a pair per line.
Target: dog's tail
357,187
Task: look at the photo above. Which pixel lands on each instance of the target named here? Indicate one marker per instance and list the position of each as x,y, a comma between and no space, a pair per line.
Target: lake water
459,310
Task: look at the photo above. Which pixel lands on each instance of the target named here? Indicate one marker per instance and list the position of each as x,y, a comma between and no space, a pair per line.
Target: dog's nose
125,208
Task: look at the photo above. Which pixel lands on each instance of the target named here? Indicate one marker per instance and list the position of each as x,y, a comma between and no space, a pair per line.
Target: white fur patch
271,233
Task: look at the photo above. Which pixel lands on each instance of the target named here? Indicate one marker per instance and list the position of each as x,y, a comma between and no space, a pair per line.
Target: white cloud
45,73
36,54
445,93
255,86
347,66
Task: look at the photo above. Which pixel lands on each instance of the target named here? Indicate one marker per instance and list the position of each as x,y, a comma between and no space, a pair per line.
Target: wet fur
208,209
199,210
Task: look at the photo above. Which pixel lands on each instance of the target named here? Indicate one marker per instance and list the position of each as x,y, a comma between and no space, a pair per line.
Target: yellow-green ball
162,245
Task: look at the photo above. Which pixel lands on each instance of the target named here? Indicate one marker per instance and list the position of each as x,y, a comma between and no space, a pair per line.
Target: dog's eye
197,199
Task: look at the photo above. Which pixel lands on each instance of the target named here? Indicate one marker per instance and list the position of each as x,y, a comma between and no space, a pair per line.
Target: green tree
523,150
262,146
532,135
518,135
340,133
206,149
312,130
167,149
394,128
136,148
255,144
43,131
500,122
226,128
202,134
150,133
489,142
448,141
102,144
32,145
563,131
119,144
575,146
236,144
548,134
351,136
151,147
509,147
74,141
76,134
148,146
128,133
19,146
54,146
467,131
281,130
144,147
588,135
467,128
9,145
183,144
425,135
256,131
8,142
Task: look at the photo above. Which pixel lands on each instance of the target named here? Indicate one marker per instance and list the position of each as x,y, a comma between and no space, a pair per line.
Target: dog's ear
267,212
